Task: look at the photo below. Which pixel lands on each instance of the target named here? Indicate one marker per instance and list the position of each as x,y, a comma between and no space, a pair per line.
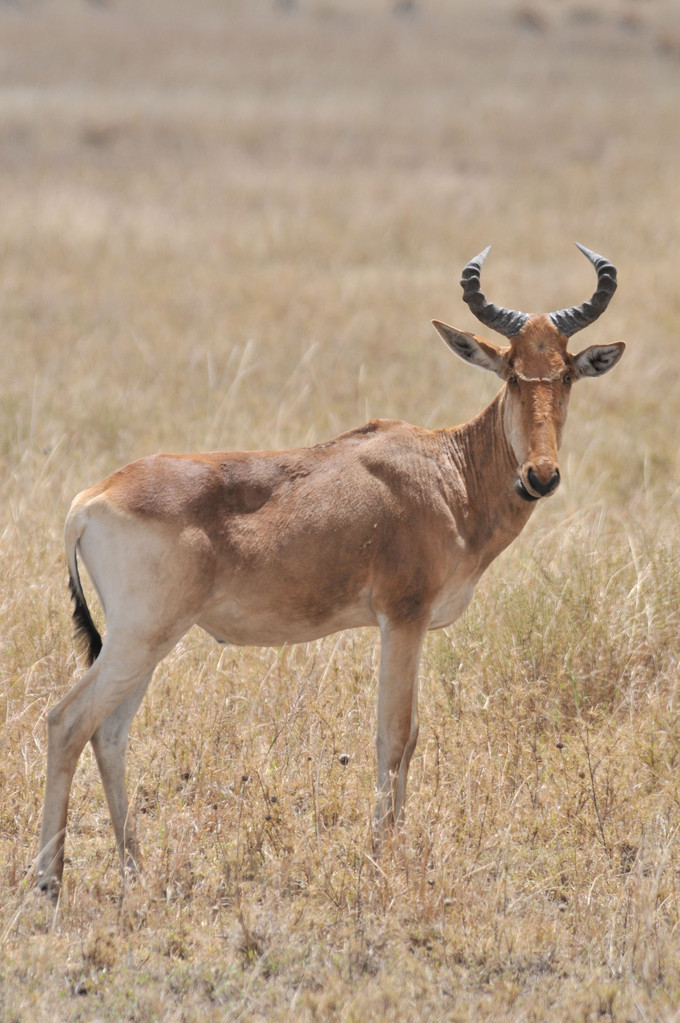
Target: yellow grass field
228,224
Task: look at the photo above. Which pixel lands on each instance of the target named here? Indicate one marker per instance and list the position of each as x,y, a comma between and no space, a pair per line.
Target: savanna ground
227,225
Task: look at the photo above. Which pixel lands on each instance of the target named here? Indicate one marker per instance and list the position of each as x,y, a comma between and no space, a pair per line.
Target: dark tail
84,630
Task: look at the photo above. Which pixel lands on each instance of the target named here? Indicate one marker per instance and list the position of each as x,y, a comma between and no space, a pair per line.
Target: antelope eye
512,379
567,378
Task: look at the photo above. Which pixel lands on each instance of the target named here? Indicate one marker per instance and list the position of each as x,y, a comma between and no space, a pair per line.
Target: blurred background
227,224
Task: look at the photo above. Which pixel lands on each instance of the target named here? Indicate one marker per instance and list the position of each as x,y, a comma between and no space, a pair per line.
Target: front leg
401,647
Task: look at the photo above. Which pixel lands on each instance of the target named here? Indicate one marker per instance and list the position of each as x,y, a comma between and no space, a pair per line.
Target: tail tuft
85,631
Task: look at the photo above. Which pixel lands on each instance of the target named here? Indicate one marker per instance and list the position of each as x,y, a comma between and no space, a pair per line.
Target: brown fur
388,525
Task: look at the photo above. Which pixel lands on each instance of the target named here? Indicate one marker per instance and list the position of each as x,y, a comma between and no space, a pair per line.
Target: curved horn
505,321
568,321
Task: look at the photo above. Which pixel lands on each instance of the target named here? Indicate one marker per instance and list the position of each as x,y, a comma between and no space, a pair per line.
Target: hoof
48,885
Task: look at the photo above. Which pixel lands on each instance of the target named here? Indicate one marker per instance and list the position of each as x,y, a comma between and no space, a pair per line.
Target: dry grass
228,225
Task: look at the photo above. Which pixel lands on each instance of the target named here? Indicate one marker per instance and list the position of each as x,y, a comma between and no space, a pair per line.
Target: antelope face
538,376
537,369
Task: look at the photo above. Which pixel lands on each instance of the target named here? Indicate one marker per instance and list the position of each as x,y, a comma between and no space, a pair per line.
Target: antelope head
537,369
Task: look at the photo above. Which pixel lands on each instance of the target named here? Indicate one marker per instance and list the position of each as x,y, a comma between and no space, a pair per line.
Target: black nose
543,488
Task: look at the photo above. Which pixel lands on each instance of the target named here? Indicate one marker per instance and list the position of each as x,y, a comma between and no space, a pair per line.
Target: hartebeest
388,525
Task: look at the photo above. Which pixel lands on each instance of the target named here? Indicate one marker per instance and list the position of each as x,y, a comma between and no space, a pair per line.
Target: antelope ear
598,359
472,348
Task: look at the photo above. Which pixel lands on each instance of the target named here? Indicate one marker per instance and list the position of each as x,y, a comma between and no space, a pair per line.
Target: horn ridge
507,322
568,321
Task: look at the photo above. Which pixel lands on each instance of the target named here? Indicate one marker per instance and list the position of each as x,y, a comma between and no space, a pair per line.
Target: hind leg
110,746
113,687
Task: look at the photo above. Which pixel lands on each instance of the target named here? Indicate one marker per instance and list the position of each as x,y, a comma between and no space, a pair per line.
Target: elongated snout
537,480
